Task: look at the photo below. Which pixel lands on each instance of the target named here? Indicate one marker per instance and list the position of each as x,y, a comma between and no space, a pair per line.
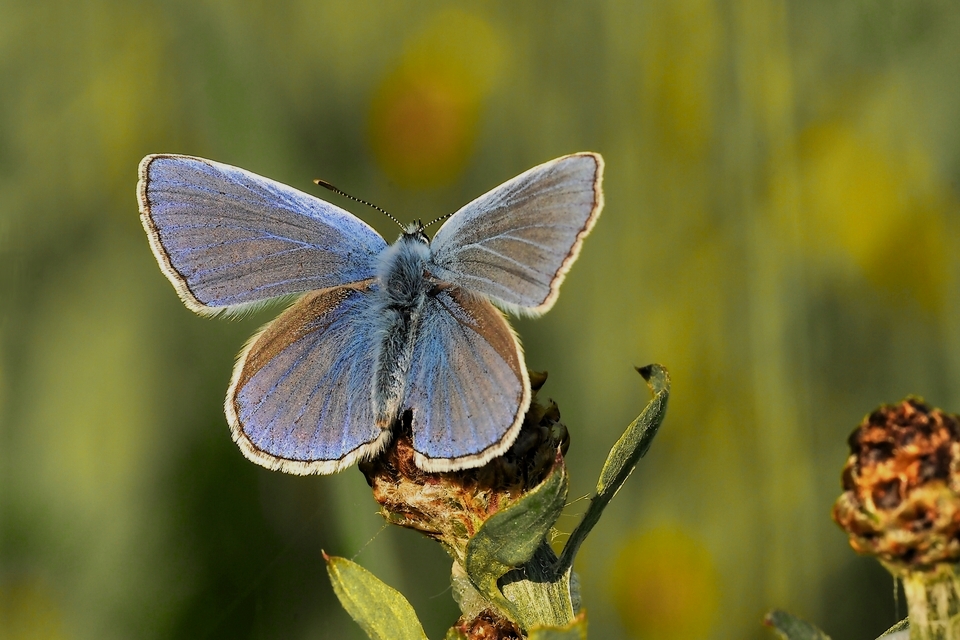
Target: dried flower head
901,499
489,625
451,506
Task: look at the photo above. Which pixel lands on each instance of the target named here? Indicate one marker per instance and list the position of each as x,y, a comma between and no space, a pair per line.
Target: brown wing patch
482,317
308,314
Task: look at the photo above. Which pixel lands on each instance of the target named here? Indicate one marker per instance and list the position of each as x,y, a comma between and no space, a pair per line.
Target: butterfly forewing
515,243
228,238
300,396
467,386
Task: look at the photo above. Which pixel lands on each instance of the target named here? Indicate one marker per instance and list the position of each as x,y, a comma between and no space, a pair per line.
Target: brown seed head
451,506
489,625
901,499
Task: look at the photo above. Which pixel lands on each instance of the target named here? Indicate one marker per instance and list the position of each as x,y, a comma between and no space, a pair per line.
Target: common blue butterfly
379,329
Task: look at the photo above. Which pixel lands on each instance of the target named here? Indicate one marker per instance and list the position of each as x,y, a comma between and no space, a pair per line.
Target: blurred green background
782,194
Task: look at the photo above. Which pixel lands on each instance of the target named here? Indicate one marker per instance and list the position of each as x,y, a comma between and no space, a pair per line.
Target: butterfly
377,329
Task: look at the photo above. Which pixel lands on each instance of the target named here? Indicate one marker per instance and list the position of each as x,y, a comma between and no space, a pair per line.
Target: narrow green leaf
790,627
636,440
381,611
899,631
623,457
510,537
576,630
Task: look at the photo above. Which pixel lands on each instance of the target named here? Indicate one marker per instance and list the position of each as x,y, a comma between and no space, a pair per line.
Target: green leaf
469,600
382,612
510,537
576,630
636,440
790,627
623,457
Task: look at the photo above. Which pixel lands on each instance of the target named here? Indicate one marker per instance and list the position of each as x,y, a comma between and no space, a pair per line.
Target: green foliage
623,458
899,631
380,610
790,627
511,537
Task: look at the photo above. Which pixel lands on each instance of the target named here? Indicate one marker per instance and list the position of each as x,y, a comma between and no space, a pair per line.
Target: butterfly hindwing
467,385
515,243
227,238
300,396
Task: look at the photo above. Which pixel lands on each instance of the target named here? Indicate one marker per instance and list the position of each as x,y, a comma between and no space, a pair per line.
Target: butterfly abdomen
401,292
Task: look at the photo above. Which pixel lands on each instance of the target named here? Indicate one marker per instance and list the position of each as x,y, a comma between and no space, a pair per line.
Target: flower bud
901,499
901,503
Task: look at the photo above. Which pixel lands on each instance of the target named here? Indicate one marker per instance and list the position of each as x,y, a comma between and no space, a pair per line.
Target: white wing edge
274,463
161,255
574,253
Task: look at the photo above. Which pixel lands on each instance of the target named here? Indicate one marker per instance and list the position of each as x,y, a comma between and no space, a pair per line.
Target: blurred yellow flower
679,54
665,586
423,118
882,209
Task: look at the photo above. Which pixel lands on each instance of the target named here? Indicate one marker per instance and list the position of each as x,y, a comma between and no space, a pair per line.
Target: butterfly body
378,329
400,292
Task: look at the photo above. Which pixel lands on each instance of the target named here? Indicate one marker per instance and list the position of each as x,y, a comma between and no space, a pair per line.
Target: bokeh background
782,189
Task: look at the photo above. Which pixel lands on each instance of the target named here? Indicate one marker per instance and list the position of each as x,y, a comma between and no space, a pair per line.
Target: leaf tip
646,371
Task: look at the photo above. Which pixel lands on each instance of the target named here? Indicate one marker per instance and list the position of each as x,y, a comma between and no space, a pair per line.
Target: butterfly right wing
227,238
515,243
300,396
467,385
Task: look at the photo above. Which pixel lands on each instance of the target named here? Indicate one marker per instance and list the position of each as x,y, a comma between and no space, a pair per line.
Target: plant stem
933,600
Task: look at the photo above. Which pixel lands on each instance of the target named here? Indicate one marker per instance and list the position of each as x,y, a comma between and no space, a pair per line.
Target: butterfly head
415,231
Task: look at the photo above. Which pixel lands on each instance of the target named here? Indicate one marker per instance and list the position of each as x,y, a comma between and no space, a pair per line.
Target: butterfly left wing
467,385
300,396
516,243
227,238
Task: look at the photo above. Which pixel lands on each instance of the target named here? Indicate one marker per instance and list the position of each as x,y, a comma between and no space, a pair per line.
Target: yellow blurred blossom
423,119
665,586
881,208
679,56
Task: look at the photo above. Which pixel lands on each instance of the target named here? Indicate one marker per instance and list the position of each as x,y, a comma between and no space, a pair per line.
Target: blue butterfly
379,329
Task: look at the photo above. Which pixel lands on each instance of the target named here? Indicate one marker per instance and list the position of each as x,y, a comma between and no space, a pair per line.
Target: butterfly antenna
327,185
440,219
